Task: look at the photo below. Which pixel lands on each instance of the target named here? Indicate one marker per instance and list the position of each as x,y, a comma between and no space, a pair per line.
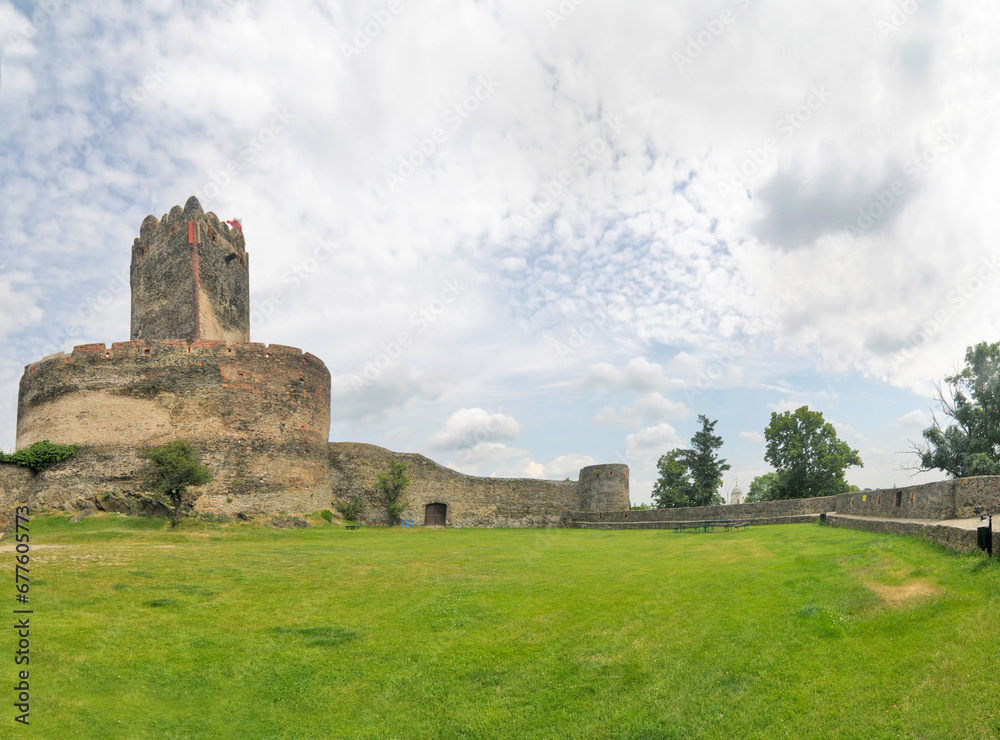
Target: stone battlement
154,229
190,278
87,352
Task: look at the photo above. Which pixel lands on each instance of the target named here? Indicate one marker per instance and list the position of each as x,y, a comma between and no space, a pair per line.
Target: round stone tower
259,415
604,488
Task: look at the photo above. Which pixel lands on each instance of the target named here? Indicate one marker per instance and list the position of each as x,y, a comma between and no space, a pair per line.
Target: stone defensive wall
789,511
930,510
948,499
259,415
472,501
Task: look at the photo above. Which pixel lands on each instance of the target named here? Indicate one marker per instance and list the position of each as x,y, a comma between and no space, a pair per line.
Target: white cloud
639,375
754,437
649,444
355,399
914,420
647,408
568,466
473,427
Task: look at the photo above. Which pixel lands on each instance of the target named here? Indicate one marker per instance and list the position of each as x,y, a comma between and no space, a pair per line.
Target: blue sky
530,236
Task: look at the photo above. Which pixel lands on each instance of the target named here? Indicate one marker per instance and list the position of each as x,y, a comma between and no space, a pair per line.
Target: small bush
352,509
326,515
39,456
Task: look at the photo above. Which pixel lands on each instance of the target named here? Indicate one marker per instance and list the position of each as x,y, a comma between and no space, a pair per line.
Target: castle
259,414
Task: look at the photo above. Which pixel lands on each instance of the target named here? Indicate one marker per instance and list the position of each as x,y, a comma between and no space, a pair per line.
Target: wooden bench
738,525
352,526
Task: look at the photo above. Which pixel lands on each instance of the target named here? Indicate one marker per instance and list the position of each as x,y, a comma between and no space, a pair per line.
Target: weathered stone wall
471,501
259,415
954,538
975,496
759,510
927,501
190,278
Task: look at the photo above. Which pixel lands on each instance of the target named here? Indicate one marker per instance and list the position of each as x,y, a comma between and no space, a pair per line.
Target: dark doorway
435,515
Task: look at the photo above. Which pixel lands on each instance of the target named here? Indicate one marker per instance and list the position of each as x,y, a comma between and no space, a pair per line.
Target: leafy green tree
673,488
691,477
809,458
970,446
392,485
761,488
171,470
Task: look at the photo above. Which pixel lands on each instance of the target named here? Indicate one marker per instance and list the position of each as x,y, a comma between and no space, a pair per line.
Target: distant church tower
736,495
190,279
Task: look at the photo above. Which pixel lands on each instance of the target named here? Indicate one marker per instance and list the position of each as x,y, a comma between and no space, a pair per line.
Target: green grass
213,631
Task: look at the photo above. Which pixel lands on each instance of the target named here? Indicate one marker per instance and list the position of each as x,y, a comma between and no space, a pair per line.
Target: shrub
40,455
326,515
352,509
392,483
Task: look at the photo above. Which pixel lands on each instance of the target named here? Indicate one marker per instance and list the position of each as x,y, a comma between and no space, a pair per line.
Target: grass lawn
234,631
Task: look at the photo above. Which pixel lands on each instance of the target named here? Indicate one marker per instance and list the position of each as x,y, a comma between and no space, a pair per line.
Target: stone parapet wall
471,501
948,499
759,510
927,501
954,538
672,524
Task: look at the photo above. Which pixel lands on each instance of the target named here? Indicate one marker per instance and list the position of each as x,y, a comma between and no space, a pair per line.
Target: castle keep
259,414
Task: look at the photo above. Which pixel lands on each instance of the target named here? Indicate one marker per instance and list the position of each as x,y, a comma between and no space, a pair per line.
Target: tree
691,477
970,446
809,458
392,484
706,467
172,468
673,488
762,488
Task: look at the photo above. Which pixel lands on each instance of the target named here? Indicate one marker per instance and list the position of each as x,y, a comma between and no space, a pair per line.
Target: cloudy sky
531,235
